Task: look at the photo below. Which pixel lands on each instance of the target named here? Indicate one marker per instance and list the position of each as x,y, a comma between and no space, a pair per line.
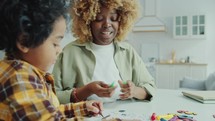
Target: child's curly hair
33,19
83,12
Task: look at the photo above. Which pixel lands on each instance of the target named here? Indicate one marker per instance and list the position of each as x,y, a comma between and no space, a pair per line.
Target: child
30,35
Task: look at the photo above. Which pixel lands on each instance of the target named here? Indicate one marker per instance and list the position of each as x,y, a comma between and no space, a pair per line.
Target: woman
98,65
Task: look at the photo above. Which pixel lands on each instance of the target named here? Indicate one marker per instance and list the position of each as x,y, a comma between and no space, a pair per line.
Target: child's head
31,30
84,12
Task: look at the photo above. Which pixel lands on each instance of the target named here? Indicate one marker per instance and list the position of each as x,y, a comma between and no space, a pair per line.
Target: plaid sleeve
74,109
29,100
25,95
70,110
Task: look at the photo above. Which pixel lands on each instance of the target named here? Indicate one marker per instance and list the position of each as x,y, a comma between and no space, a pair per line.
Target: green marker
112,84
124,82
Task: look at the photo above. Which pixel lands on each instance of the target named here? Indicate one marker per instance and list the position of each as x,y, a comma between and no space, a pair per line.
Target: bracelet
73,97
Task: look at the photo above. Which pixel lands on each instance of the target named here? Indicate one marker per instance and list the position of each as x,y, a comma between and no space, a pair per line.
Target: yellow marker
166,117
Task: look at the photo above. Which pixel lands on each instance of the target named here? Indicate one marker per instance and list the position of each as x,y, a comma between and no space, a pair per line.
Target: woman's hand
94,107
101,89
127,89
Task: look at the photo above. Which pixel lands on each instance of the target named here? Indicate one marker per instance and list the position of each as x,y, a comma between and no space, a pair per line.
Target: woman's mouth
107,34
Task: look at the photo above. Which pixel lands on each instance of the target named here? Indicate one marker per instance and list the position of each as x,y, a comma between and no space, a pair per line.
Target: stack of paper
201,96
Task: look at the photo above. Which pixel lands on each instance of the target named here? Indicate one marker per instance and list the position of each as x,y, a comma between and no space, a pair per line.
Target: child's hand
94,107
127,89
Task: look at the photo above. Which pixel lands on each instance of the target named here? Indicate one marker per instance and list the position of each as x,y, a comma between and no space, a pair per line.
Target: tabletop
165,101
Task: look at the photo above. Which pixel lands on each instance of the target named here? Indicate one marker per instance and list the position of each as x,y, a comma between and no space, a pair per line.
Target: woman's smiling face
105,27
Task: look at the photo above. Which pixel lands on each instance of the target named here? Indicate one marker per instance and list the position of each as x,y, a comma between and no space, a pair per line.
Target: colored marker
162,119
112,84
166,117
185,117
153,117
175,118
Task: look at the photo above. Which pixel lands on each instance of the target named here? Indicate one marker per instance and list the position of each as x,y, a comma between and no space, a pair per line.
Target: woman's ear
21,47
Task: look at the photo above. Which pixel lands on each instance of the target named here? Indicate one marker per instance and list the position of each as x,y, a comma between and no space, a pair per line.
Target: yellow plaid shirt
26,93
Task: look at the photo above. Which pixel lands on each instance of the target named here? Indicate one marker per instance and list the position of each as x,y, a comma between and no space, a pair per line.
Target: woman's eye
114,18
99,18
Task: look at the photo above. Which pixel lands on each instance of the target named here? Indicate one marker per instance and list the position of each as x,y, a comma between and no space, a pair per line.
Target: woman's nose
107,24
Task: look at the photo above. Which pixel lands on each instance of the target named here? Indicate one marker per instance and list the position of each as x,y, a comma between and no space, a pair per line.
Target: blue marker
185,117
162,119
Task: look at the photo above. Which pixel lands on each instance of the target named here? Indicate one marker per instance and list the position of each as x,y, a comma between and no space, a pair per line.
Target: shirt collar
118,45
47,76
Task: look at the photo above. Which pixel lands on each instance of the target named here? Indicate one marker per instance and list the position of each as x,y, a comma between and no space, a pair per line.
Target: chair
194,84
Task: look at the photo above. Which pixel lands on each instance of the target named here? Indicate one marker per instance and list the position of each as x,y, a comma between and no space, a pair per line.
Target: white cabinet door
169,75
181,27
198,26
164,77
198,72
179,72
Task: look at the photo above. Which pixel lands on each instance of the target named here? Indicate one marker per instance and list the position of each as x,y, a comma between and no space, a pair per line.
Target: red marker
153,117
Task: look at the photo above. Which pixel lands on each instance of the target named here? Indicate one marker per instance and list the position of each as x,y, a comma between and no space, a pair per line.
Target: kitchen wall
1,54
199,50
67,39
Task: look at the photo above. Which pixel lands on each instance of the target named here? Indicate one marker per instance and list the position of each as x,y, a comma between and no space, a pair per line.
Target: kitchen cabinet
189,27
198,26
169,75
181,26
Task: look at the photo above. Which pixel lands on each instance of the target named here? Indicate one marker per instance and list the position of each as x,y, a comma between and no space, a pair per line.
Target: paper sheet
121,114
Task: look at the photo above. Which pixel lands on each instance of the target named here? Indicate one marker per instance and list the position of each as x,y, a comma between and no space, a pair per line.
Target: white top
105,69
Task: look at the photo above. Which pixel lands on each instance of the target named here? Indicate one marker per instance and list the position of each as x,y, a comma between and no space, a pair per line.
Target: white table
165,101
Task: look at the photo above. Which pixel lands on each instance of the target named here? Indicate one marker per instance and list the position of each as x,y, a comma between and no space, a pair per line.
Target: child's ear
19,44
21,47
